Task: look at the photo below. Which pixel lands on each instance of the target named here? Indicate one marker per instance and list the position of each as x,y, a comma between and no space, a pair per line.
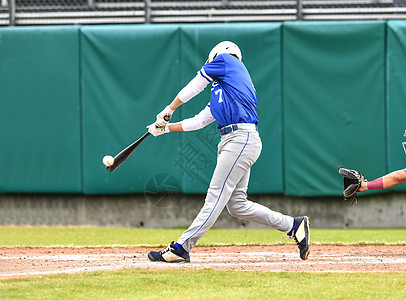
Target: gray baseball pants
237,152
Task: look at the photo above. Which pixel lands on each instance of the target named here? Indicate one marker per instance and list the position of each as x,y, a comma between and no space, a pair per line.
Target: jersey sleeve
199,121
214,70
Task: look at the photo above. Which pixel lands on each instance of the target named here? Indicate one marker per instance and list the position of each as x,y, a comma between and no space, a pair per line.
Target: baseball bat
125,153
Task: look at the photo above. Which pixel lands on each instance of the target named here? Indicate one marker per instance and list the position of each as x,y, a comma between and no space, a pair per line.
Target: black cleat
301,235
170,255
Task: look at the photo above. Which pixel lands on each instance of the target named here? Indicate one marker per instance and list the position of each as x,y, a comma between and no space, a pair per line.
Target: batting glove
164,116
155,130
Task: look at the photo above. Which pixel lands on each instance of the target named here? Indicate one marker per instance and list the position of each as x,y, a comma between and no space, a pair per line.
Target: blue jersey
233,96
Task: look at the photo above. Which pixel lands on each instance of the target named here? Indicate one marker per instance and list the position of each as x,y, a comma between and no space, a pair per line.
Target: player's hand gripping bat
124,154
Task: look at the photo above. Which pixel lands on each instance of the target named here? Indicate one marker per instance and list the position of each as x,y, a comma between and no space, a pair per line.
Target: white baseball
108,160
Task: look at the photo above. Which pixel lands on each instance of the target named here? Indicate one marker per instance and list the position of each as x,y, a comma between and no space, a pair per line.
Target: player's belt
227,129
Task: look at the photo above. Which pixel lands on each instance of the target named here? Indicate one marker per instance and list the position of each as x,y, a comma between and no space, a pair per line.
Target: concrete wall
160,211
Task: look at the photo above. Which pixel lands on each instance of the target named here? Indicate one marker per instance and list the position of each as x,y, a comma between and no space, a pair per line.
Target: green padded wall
334,103
130,73
72,94
40,115
396,96
260,44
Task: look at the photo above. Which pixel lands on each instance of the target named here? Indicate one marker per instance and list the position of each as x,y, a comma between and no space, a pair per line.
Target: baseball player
384,182
358,183
233,105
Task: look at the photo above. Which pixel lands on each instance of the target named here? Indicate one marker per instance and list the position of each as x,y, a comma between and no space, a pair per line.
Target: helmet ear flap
210,60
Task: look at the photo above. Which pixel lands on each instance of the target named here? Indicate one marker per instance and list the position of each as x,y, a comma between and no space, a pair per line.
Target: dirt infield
22,262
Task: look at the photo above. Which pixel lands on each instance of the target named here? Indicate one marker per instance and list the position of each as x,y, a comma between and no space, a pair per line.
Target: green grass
198,284
207,284
97,236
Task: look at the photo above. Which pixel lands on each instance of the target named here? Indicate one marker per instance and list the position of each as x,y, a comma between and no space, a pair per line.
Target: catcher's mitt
352,181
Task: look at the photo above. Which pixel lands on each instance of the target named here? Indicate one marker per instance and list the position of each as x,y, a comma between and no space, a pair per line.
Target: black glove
352,181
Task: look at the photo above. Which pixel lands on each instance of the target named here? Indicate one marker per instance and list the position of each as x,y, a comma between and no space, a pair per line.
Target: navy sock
295,226
179,247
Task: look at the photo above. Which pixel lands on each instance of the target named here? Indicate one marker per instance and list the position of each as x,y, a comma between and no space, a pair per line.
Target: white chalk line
200,257
198,260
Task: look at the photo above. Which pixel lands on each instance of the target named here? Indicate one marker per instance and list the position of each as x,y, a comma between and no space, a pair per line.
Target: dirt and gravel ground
22,262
